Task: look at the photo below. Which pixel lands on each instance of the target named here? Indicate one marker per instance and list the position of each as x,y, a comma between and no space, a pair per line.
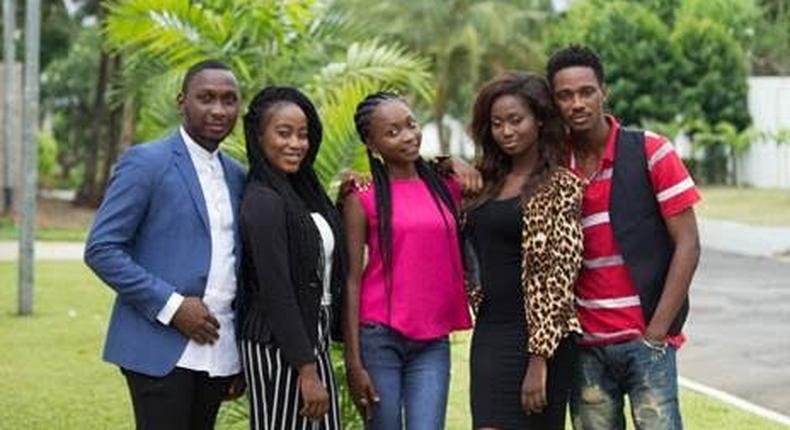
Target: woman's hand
363,393
533,388
315,397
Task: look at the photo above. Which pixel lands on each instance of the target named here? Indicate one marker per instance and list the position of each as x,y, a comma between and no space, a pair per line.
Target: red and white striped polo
606,297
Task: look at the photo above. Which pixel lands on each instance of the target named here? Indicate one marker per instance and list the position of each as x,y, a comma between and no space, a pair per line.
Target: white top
328,243
221,358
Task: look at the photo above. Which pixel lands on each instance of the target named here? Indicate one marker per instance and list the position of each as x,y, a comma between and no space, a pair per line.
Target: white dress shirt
328,244
221,358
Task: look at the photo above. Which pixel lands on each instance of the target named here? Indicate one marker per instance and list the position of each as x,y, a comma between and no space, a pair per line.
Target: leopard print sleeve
552,256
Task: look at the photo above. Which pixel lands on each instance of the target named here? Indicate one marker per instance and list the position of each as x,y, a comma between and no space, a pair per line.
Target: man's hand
236,387
350,180
467,176
195,321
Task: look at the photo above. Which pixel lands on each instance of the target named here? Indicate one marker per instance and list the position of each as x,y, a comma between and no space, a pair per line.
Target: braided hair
301,191
381,182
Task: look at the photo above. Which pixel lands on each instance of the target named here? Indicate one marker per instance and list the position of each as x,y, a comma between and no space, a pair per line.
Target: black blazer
280,276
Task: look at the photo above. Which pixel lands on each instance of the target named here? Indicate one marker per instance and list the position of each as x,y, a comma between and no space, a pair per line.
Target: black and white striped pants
273,390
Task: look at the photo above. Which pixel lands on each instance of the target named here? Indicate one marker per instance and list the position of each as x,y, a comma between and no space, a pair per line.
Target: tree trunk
440,104
122,141
114,136
129,127
444,139
86,195
438,118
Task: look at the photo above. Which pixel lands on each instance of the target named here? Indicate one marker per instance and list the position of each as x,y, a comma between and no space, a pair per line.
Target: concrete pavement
744,239
44,250
738,328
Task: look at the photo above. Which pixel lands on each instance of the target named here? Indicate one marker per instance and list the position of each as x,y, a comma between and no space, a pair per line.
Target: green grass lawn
9,231
764,207
51,375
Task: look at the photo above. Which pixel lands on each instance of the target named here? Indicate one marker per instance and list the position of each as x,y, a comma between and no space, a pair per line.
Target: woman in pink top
410,295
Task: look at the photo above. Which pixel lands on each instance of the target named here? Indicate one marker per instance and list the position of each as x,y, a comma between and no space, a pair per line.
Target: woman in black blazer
293,265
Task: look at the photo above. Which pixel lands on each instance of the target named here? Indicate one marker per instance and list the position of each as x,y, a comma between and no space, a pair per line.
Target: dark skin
315,397
396,135
515,130
283,136
580,96
360,384
209,109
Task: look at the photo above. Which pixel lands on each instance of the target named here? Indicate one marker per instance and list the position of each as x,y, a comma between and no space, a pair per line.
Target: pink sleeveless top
426,297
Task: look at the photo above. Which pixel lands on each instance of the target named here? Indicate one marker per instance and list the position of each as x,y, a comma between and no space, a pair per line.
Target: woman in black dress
293,267
524,230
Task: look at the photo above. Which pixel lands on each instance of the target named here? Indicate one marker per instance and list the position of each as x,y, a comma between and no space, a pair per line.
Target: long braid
382,189
381,182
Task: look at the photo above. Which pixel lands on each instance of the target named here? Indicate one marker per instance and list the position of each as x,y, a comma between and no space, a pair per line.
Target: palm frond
376,63
340,86
341,149
175,31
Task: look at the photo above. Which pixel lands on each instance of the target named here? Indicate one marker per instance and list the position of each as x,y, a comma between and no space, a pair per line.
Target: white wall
766,164
460,143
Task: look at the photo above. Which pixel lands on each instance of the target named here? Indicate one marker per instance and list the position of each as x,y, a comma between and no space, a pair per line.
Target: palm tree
300,42
467,42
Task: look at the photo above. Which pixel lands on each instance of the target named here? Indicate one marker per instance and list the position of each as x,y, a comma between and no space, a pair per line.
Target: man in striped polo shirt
641,249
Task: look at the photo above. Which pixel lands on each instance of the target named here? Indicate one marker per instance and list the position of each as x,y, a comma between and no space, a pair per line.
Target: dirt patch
61,214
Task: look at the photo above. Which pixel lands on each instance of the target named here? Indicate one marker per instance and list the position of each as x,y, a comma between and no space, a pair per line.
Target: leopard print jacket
552,246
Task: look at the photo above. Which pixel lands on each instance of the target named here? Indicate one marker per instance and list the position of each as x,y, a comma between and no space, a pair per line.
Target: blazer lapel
189,175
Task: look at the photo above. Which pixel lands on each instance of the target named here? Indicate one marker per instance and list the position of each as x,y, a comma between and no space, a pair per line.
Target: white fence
766,164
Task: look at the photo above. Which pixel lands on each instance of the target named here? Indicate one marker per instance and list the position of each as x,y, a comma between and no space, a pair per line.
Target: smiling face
579,97
209,106
283,136
513,125
395,133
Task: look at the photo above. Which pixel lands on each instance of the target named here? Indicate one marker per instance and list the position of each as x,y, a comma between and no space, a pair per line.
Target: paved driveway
44,251
739,328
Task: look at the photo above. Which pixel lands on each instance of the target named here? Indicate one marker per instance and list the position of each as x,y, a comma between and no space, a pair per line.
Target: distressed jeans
412,378
605,374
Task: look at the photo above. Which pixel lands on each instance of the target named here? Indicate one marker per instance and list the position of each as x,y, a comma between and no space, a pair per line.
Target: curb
735,401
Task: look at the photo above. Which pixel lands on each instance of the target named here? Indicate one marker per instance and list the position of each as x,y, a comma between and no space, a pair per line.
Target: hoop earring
375,155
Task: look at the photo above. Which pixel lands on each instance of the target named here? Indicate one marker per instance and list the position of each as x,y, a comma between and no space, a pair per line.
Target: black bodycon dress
499,355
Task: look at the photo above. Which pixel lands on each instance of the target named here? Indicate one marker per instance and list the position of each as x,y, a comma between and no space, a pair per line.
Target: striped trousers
273,390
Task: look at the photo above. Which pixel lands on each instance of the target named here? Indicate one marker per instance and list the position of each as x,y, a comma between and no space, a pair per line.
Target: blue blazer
151,238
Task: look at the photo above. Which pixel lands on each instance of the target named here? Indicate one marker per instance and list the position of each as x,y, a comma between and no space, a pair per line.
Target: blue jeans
605,374
410,376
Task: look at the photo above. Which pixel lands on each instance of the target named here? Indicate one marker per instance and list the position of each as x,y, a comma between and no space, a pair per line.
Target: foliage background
111,68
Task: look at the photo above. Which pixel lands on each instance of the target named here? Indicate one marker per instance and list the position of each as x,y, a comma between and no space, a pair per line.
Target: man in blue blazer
165,239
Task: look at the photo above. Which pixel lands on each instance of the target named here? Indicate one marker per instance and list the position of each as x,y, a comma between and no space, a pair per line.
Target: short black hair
572,56
198,67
